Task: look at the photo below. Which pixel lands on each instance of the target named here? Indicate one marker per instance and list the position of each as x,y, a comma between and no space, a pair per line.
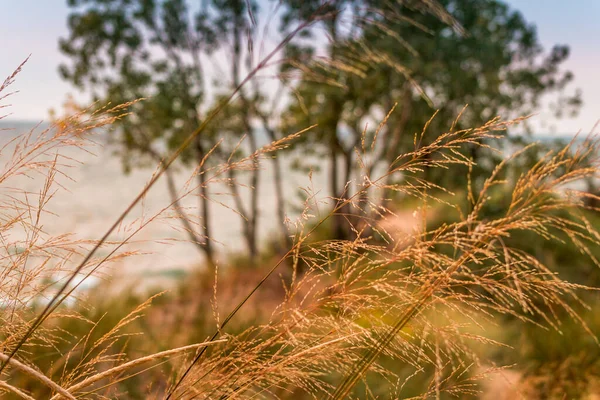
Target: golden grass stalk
15,390
134,363
37,375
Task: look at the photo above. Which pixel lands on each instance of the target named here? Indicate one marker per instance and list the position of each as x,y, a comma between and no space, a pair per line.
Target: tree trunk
194,238
253,217
396,132
248,225
278,183
337,226
337,223
204,205
202,242
347,211
250,218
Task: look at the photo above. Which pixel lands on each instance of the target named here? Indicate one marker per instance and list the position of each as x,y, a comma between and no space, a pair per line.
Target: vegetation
503,245
417,63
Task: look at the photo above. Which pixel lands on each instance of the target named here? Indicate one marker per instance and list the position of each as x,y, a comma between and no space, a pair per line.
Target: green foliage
495,64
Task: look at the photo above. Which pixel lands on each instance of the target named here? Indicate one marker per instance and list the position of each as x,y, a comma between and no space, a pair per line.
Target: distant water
98,191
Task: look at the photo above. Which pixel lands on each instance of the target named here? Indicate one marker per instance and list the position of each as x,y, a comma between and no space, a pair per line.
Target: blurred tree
122,50
418,62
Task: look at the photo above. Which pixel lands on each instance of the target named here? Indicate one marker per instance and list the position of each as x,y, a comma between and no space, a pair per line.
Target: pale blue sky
34,26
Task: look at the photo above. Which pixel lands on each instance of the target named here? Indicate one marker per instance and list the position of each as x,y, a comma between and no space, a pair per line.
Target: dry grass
358,302
375,308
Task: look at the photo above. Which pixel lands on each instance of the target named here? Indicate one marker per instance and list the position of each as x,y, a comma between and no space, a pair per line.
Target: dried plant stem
15,390
37,375
135,363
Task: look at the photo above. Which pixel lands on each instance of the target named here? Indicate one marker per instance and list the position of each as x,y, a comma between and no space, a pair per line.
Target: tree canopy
419,65
363,59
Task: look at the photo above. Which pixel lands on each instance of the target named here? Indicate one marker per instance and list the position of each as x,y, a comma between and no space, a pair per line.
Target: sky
32,27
